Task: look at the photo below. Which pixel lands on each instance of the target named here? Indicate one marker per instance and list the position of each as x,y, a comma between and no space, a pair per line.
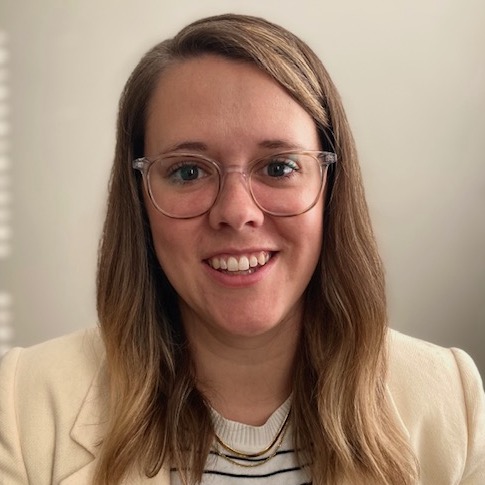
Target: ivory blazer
53,400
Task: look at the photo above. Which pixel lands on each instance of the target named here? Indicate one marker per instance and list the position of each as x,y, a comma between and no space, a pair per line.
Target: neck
245,379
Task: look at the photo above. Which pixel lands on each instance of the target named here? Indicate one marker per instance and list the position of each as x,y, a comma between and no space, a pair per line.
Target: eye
184,171
280,167
187,172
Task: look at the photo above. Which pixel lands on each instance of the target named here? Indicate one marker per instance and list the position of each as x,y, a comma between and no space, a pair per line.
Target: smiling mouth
241,264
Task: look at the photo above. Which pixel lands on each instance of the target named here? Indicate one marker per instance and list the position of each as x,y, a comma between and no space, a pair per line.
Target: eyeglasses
186,185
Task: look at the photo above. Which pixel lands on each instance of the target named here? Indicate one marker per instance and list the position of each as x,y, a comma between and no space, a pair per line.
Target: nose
235,206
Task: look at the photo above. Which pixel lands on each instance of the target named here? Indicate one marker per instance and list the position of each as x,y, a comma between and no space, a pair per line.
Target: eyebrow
275,144
189,145
278,144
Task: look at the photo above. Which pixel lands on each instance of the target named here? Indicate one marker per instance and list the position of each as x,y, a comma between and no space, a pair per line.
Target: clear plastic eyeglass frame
143,165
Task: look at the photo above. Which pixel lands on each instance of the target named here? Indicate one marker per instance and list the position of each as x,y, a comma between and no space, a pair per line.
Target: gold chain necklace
276,444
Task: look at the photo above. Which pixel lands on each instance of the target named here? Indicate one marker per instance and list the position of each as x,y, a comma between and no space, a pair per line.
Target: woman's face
233,113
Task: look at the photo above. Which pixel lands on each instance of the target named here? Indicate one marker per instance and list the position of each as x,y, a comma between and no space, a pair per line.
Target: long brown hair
341,418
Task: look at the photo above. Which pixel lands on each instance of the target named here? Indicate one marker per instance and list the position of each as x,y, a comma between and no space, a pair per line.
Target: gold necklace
276,443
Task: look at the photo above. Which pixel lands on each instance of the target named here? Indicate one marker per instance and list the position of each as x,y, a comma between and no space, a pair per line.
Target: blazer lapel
397,416
88,431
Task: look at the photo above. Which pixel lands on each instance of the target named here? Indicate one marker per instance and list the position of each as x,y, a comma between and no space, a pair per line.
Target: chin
249,328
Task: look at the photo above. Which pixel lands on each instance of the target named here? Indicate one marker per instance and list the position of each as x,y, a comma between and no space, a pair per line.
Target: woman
243,334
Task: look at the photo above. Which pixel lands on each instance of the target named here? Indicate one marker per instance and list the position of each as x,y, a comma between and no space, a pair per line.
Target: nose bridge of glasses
235,169
227,169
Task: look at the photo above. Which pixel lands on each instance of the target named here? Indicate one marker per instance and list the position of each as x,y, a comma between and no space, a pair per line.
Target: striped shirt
283,468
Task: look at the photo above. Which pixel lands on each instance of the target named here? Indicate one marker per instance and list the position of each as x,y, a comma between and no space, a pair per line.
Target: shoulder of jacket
413,361
86,342
411,351
426,378
438,396
61,365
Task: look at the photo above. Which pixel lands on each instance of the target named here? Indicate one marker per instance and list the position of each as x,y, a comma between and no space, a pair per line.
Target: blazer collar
88,431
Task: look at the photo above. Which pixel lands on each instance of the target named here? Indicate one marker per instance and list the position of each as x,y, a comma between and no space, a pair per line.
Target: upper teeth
239,263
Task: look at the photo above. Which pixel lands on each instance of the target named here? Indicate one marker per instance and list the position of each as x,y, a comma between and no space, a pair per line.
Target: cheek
164,237
165,240
311,238
174,242
162,234
304,235
310,230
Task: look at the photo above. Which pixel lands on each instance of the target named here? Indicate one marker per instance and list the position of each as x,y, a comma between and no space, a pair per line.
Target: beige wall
412,75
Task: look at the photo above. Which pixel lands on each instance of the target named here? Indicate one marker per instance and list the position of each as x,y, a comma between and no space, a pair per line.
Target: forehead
215,100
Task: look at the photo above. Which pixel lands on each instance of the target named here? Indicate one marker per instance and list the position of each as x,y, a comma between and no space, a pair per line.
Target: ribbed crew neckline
247,438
